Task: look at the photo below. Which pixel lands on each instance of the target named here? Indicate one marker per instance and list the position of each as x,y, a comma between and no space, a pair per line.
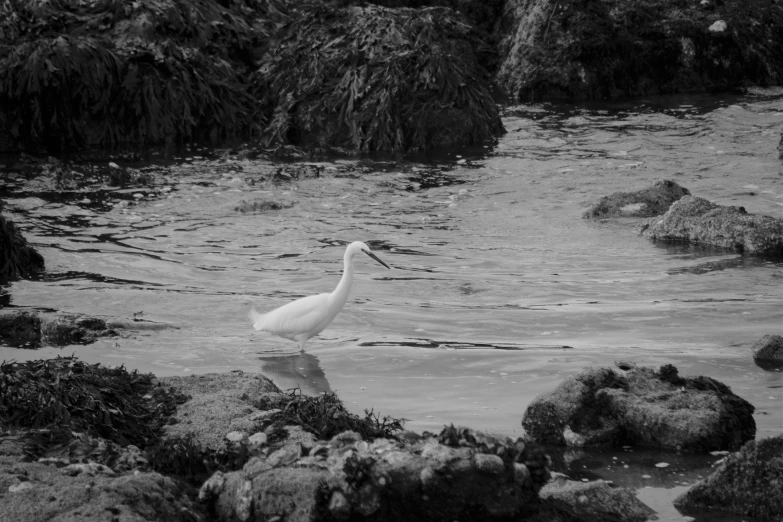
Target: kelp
376,79
17,257
65,395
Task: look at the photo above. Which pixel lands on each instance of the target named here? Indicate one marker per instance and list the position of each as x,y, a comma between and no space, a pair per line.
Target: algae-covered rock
32,330
368,78
647,202
641,407
17,258
580,49
482,477
747,482
596,501
769,347
696,220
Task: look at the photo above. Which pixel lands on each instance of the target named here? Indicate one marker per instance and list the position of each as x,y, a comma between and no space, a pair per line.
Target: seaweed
65,395
375,79
325,416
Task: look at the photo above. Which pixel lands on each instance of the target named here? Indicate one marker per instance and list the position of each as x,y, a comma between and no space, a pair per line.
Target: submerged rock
262,205
483,477
747,483
648,202
32,330
698,221
17,258
552,49
596,501
641,407
769,347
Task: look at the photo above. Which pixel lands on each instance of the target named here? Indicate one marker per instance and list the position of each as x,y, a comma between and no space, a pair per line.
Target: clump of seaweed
375,79
65,395
325,416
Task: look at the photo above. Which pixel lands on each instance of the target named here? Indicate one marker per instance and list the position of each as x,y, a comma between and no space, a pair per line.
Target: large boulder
696,220
747,483
596,501
459,475
554,49
648,202
641,407
17,257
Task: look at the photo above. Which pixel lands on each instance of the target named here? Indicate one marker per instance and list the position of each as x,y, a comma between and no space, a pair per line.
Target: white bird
306,317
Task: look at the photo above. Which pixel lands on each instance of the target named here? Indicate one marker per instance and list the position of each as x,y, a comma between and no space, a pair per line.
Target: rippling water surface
499,289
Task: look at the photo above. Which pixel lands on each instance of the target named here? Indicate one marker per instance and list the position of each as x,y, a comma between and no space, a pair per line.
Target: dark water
499,289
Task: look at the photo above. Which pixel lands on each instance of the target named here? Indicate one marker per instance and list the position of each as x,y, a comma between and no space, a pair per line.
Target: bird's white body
306,317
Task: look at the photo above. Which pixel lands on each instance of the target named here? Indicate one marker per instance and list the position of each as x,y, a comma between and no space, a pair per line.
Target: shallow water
499,288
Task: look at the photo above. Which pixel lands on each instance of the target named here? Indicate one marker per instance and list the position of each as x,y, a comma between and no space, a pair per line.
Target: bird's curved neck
344,286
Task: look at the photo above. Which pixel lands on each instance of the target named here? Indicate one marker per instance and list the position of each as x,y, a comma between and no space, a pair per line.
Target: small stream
499,289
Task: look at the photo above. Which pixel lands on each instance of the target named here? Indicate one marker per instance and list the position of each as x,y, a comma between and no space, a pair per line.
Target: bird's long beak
376,258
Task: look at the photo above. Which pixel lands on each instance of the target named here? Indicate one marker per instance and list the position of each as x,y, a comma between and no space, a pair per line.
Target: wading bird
308,316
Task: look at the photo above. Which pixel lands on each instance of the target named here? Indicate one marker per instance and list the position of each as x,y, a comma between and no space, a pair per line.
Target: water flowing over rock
696,220
556,49
596,501
641,407
648,202
747,483
17,258
459,475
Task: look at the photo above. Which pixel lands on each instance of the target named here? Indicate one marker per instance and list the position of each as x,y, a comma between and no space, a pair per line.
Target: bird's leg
302,344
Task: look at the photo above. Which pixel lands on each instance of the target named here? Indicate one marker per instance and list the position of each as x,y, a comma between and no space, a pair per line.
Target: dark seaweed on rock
66,395
148,73
325,416
17,258
376,79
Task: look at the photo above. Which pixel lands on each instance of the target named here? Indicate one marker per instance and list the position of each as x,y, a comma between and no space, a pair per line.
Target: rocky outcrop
596,501
769,347
641,407
460,474
574,50
33,330
17,258
648,202
747,483
696,220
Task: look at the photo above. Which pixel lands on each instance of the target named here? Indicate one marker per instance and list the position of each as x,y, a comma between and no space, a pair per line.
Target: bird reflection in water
302,370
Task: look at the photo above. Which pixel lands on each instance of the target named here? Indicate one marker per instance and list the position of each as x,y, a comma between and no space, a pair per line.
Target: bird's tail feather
257,318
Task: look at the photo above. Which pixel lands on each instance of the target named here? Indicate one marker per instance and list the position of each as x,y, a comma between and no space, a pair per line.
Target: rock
596,501
747,483
651,201
262,205
482,478
551,49
223,408
780,146
17,258
49,494
32,330
769,347
641,407
698,221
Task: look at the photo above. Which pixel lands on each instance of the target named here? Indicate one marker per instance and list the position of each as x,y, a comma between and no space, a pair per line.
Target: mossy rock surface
696,220
652,201
17,258
641,407
747,482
